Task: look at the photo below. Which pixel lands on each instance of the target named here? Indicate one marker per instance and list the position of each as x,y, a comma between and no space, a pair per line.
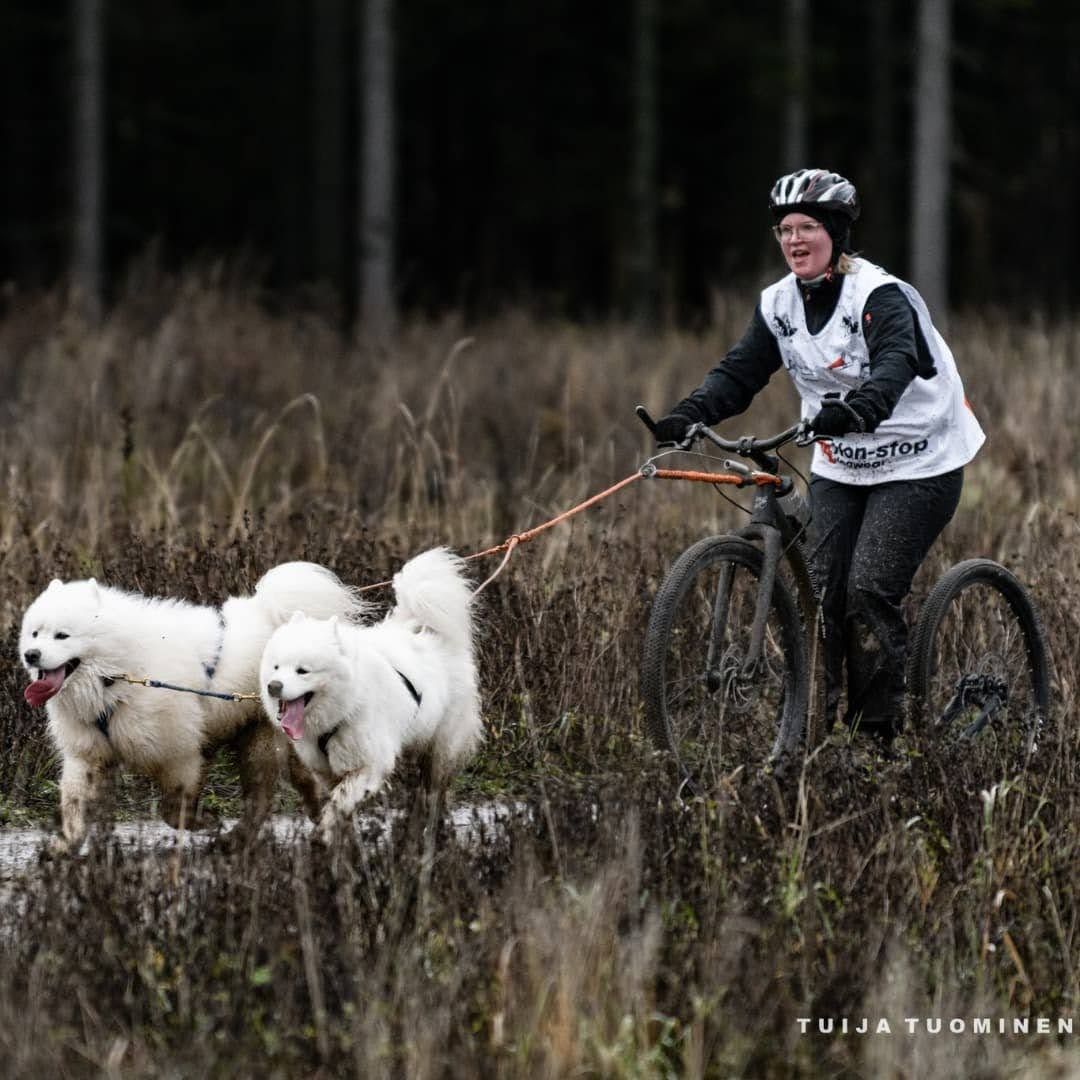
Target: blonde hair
846,263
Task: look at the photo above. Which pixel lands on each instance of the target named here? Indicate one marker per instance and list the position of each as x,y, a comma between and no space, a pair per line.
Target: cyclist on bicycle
880,388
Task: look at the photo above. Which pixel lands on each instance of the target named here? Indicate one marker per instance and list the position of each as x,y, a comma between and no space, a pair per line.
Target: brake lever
806,436
693,433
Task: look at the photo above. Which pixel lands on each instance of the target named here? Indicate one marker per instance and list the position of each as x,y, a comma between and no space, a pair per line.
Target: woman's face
806,245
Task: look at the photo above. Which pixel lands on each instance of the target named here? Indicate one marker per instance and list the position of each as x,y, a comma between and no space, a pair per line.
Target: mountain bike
735,634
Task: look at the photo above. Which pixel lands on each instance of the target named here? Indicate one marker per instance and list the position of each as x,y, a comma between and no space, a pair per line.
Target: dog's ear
297,616
54,584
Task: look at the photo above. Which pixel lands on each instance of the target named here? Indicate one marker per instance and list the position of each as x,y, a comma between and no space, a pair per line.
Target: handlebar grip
645,418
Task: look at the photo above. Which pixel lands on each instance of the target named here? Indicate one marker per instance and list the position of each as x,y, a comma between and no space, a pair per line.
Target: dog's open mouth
48,683
291,715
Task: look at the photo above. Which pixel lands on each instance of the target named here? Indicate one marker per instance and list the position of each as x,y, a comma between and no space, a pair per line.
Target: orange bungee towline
647,472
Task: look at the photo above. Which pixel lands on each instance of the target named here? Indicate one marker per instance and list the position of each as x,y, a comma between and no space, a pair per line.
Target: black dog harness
326,736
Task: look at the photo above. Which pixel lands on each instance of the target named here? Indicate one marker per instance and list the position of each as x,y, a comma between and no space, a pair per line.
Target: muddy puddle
20,848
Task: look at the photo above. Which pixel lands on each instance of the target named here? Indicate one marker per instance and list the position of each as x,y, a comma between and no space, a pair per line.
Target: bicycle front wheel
705,701
979,664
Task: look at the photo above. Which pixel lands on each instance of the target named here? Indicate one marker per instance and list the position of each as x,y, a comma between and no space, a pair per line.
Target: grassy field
205,432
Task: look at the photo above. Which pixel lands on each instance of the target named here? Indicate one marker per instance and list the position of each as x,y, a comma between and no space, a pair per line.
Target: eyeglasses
806,229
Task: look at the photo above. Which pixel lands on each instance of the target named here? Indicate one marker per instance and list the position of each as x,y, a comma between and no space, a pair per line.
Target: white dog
351,698
77,636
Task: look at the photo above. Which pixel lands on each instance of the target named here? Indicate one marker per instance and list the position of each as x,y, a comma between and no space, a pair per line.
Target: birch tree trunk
796,141
643,270
88,154
377,308
929,211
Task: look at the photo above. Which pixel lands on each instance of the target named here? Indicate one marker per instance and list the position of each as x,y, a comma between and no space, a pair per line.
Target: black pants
864,546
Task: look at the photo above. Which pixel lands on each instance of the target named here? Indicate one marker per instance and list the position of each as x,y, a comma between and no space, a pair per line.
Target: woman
879,384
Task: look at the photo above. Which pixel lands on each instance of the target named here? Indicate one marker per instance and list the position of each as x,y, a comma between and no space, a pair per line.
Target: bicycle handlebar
744,446
748,446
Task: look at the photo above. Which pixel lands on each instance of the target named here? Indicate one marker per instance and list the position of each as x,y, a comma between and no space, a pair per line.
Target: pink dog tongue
292,718
40,690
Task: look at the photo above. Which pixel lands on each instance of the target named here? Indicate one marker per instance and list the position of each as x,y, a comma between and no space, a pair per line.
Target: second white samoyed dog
352,698
77,636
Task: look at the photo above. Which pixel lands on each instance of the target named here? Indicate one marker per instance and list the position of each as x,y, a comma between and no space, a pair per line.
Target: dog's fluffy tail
431,590
310,588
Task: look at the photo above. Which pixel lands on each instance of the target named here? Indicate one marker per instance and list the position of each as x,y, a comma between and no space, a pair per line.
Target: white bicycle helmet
818,189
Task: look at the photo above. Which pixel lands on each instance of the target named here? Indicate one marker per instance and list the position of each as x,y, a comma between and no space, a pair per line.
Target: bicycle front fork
771,540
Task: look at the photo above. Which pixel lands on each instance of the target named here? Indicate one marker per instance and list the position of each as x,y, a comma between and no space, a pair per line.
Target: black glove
672,428
836,417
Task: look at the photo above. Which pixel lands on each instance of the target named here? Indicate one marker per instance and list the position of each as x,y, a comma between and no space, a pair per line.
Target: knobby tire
940,659
679,629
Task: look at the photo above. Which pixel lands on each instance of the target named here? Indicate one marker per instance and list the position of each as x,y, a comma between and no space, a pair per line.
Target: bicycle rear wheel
702,703
979,663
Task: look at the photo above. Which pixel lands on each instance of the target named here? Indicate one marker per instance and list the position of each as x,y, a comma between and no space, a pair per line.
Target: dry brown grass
195,439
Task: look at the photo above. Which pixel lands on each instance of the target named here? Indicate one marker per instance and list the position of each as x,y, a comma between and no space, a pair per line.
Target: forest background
343,281
609,158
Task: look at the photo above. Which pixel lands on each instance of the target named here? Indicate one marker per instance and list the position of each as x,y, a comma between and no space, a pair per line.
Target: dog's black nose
274,688
32,657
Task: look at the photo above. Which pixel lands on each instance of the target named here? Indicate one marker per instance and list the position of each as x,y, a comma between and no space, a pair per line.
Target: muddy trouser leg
834,530
900,522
